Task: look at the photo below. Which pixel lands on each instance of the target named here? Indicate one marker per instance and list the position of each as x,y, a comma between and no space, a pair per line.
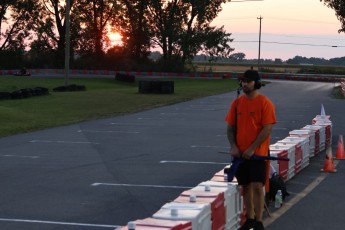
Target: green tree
238,57
50,28
165,19
15,23
15,27
182,29
95,17
216,44
135,29
339,7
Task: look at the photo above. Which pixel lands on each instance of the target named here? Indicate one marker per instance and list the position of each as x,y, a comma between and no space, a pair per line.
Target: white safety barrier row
217,204
301,145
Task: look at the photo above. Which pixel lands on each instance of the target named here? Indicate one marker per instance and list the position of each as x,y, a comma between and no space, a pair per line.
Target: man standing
249,124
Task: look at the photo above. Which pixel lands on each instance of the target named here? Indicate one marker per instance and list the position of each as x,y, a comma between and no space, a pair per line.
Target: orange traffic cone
329,164
340,150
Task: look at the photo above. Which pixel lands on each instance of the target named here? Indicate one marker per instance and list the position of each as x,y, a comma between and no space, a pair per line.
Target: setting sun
115,38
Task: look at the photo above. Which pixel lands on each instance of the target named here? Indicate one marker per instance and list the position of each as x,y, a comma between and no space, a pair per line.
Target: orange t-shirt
249,116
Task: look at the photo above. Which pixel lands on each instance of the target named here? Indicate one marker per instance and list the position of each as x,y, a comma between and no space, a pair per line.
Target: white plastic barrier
322,135
232,201
198,214
302,143
207,195
316,133
318,118
281,167
308,134
290,154
157,224
328,130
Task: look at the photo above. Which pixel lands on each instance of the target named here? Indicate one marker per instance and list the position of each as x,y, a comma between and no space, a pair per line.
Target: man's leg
259,204
248,203
258,199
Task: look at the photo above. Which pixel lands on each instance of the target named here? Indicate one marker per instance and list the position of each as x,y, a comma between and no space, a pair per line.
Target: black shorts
251,171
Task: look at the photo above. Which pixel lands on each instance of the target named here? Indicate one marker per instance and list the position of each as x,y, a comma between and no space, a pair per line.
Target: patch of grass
104,97
337,93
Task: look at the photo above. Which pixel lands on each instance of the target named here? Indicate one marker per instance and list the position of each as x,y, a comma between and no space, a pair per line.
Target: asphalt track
101,174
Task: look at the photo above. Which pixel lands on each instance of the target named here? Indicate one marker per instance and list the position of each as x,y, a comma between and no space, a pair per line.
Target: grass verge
337,92
103,98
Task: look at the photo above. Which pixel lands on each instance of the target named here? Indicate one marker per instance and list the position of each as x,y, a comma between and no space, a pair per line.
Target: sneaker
248,225
259,226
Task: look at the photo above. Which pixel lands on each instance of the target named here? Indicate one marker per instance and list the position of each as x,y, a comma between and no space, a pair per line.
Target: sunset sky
284,21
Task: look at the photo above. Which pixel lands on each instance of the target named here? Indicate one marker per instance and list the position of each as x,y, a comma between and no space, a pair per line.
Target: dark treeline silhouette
297,60
33,33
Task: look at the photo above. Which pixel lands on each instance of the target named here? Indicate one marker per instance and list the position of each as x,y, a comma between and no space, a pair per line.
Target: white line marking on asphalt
135,124
59,223
195,109
140,185
277,128
10,155
286,121
210,107
201,105
63,142
152,118
208,146
107,131
296,114
193,162
159,118
172,113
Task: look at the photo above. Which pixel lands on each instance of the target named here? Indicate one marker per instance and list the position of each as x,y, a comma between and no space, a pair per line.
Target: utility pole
260,18
67,41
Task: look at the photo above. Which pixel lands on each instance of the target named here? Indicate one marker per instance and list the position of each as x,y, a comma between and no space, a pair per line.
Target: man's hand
247,154
234,151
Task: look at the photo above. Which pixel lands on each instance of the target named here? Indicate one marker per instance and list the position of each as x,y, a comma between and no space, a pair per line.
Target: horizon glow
285,21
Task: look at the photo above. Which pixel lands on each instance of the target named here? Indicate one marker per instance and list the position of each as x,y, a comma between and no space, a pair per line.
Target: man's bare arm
264,133
231,134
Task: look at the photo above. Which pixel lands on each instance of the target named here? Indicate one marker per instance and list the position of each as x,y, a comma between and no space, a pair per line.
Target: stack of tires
24,93
156,87
69,88
125,77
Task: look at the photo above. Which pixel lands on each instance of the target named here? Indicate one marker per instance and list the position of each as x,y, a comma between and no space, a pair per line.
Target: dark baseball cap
250,75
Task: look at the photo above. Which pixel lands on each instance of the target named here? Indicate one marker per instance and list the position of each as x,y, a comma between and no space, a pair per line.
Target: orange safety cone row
329,164
340,155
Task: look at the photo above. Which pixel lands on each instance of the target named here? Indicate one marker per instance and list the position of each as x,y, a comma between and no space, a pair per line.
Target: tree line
33,33
297,60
